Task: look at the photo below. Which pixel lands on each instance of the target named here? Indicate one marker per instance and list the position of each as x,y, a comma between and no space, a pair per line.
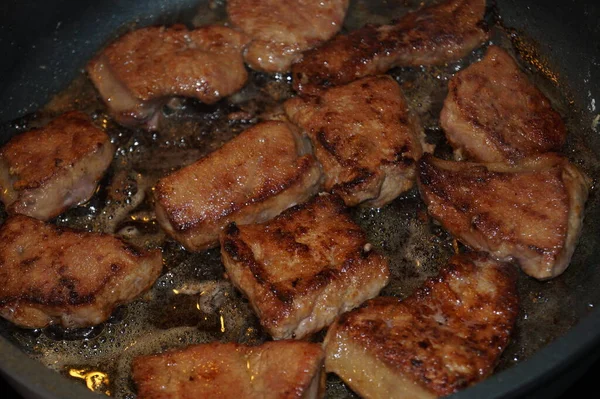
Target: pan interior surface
557,324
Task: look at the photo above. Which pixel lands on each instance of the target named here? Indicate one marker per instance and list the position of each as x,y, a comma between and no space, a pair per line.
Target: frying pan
45,44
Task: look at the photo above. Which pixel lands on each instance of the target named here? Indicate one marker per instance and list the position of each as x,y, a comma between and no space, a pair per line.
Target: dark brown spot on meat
232,230
26,263
230,247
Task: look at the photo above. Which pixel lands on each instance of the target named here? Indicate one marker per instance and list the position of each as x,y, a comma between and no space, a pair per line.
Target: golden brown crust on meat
531,211
229,370
365,136
436,34
45,171
446,336
282,30
493,113
54,275
140,71
252,178
304,267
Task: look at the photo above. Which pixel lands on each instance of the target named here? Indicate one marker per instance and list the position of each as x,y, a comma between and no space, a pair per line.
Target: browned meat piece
54,275
304,267
431,35
277,370
365,137
282,30
493,113
45,171
140,72
530,212
251,179
446,336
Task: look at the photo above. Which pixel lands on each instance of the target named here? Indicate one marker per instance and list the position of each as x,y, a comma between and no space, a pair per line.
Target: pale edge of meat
371,380
73,186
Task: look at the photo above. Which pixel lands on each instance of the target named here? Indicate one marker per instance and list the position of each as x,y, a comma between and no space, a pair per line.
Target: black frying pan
45,44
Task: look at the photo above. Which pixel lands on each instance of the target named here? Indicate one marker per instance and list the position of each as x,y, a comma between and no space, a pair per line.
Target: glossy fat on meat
493,113
250,179
141,71
530,212
446,336
273,370
55,275
303,268
282,30
364,136
45,171
432,35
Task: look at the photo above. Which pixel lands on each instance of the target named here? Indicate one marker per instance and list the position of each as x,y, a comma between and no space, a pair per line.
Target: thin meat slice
365,136
55,275
250,179
45,171
446,336
282,30
530,212
141,71
432,35
303,268
273,370
493,113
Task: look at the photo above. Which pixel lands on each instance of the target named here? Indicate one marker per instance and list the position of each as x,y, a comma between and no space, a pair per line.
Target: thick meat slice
277,370
137,74
431,35
304,267
446,336
55,275
252,178
282,30
365,137
45,171
530,212
493,113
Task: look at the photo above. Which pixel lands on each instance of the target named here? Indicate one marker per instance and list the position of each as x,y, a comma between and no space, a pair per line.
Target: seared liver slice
282,30
303,268
273,370
530,212
365,136
446,336
494,113
56,275
252,178
142,70
46,171
431,35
